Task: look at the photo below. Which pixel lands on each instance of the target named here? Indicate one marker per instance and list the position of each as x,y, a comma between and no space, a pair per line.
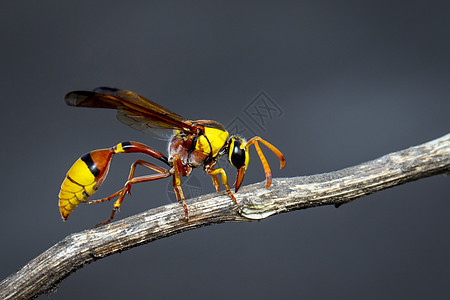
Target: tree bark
43,273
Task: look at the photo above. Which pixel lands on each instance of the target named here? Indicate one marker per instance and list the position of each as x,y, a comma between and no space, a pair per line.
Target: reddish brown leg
178,169
103,158
163,173
130,176
105,199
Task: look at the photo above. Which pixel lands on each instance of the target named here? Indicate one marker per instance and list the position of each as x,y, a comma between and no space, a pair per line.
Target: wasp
193,144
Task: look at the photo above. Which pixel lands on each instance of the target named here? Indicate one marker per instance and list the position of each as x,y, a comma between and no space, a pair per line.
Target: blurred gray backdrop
353,80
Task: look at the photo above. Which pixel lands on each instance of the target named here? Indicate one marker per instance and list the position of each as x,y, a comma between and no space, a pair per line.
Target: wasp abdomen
83,179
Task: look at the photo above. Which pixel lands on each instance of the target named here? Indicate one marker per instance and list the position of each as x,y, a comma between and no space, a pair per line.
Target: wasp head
238,157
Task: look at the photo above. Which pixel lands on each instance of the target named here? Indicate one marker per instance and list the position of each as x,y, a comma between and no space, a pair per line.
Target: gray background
355,81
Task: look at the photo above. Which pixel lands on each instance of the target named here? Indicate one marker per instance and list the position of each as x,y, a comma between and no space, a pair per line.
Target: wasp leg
104,199
264,162
216,182
214,173
178,169
162,173
130,176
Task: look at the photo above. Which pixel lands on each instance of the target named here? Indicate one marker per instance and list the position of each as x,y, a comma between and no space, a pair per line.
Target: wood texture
43,273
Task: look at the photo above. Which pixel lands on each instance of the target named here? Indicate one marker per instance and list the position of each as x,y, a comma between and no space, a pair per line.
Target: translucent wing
133,109
145,125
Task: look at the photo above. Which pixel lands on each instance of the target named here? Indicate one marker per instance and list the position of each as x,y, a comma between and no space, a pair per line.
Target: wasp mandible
193,144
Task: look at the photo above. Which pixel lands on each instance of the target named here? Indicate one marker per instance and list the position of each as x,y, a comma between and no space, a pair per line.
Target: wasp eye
237,156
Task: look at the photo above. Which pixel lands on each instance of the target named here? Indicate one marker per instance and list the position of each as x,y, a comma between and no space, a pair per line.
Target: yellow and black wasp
193,144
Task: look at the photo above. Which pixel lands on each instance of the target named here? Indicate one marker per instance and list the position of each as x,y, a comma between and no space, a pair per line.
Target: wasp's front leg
214,172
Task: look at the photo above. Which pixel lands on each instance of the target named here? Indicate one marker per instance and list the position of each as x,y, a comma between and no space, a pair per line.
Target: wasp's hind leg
162,173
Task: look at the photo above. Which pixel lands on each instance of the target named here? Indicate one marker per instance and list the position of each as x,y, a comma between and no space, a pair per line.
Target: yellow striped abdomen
83,179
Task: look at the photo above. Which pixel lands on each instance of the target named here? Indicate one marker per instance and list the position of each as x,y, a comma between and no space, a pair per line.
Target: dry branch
43,273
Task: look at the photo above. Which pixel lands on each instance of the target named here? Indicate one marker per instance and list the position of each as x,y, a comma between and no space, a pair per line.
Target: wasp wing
133,109
145,125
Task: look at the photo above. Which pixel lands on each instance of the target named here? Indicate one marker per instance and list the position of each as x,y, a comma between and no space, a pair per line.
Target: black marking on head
237,154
